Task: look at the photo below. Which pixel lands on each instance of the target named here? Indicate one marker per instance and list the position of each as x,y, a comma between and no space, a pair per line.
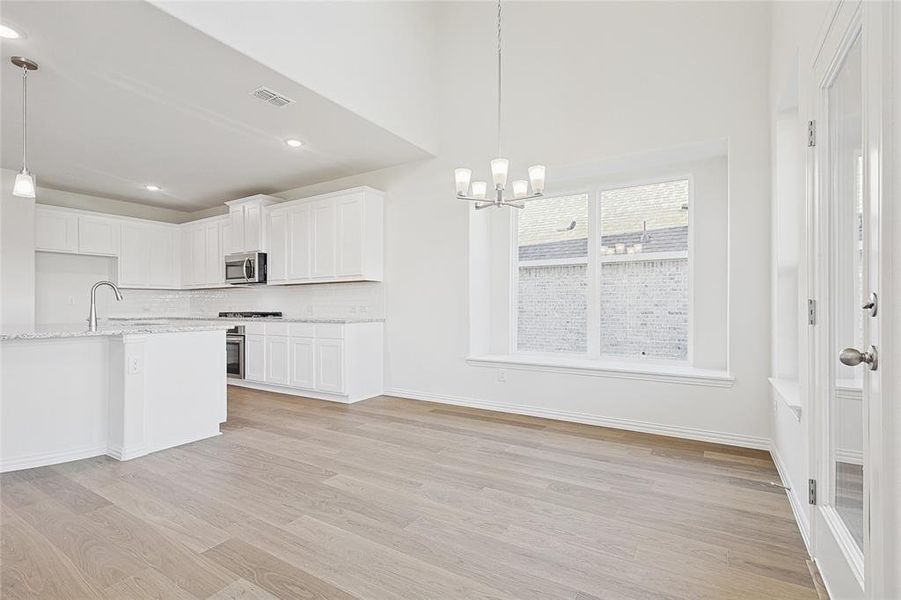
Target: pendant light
24,186
477,191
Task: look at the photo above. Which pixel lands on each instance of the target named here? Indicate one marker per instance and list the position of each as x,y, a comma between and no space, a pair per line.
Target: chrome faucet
92,318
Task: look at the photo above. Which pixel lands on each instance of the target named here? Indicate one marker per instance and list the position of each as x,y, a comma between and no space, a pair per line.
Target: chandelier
477,191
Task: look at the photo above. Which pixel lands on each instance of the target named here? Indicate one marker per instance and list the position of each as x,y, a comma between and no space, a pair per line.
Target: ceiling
127,95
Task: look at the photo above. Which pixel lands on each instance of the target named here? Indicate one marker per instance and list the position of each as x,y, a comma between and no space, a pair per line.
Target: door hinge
811,491
811,311
811,134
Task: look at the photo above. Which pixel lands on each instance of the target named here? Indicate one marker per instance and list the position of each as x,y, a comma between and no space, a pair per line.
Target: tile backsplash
323,300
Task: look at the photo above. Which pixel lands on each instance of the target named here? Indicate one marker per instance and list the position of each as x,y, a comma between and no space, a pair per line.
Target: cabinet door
97,235
236,231
277,262
350,236
255,358
213,259
330,366
134,259
324,238
299,242
252,228
193,250
277,360
163,250
55,231
303,363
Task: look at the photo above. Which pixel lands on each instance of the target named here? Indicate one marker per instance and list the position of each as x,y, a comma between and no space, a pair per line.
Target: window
605,272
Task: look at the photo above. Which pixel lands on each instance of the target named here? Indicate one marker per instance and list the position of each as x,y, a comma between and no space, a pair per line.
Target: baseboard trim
51,458
289,391
799,509
677,431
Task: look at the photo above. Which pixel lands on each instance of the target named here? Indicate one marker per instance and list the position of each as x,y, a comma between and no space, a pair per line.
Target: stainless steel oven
247,267
234,352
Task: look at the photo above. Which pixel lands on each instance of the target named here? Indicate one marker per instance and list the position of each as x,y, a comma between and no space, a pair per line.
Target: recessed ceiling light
8,33
152,188
294,143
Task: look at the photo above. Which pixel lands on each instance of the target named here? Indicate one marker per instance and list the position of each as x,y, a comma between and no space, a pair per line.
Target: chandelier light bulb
462,176
24,185
520,188
499,167
479,188
536,176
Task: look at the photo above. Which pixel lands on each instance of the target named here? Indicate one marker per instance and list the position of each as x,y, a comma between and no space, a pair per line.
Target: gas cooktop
251,315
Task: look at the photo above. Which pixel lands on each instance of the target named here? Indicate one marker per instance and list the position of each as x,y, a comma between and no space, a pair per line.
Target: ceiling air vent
271,96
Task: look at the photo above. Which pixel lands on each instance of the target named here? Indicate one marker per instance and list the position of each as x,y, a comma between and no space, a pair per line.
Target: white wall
374,58
695,72
16,255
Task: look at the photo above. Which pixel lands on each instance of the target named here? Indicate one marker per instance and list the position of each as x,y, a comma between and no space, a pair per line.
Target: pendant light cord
24,117
498,78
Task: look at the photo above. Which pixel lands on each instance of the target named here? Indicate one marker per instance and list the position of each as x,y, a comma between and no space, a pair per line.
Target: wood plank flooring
394,498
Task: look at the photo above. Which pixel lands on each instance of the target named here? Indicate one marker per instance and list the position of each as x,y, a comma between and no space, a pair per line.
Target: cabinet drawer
330,330
303,330
277,329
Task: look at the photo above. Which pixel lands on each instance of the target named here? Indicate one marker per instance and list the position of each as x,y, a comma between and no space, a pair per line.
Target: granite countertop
104,328
341,320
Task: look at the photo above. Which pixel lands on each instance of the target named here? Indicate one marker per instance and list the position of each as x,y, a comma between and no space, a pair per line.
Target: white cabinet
255,358
333,361
98,236
336,237
330,366
350,235
277,360
324,239
149,256
55,230
202,254
246,231
277,264
303,363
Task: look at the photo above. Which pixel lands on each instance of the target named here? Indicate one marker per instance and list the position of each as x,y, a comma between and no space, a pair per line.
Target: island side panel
54,396
184,387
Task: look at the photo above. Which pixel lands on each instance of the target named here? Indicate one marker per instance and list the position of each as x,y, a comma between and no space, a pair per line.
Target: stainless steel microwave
247,267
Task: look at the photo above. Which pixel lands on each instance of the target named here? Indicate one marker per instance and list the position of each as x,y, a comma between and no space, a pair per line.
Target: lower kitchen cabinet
277,363
255,358
331,361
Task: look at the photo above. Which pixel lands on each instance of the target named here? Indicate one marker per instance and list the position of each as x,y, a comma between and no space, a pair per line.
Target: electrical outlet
134,365
70,300
501,376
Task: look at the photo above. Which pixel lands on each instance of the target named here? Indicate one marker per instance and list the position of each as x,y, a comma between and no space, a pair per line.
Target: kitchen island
125,390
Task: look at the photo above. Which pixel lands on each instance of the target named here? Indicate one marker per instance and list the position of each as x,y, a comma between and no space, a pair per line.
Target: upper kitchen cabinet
329,238
149,255
75,232
245,231
202,253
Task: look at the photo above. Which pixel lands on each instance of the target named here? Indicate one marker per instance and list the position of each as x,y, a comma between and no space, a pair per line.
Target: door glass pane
845,181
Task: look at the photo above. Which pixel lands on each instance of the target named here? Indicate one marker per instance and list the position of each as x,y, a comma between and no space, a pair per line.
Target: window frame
594,263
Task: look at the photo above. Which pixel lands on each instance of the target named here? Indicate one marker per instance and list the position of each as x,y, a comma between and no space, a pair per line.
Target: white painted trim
798,506
643,257
851,457
120,454
677,431
680,373
51,458
789,391
555,262
293,391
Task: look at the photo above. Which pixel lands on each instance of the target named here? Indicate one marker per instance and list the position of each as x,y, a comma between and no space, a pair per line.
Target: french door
848,156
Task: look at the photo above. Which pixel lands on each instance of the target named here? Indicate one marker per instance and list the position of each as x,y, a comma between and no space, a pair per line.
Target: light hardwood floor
394,498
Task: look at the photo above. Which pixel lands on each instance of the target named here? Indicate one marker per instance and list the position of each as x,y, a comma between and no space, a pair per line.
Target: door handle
853,357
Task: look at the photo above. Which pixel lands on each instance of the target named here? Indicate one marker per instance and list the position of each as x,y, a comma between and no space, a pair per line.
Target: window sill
789,391
666,373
